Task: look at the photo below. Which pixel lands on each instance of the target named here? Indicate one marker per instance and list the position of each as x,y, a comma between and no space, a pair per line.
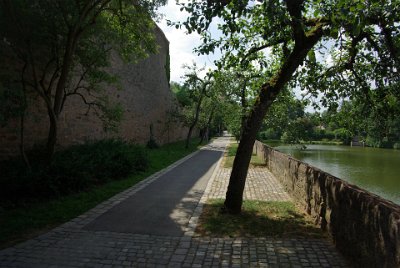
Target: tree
197,88
206,118
61,48
293,31
190,98
375,121
237,88
285,113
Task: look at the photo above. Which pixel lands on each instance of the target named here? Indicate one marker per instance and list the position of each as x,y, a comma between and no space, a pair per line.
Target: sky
181,45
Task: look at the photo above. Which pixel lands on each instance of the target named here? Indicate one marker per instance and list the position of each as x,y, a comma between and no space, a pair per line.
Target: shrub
74,169
396,145
382,143
269,134
152,144
344,135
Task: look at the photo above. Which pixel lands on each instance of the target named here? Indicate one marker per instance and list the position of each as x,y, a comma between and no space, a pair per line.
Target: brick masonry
364,226
145,97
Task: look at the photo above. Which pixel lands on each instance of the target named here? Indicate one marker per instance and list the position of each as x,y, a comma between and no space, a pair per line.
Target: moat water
373,169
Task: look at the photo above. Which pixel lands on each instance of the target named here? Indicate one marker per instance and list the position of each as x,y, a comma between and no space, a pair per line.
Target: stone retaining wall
364,226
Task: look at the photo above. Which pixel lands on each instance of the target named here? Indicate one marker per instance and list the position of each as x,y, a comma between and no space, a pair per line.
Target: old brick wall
364,226
145,96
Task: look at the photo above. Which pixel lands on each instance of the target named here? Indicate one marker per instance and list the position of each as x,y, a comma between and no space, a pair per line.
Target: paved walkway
260,185
152,225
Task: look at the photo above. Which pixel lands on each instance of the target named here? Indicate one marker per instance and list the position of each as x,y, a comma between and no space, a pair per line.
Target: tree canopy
60,48
339,48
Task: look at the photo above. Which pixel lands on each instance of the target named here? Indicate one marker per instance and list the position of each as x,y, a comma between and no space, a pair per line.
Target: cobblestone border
194,219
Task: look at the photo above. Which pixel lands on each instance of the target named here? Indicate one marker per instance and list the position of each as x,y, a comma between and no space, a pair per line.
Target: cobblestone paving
80,248
71,246
260,185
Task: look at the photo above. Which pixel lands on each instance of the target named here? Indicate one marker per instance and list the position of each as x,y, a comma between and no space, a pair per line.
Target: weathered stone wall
364,226
145,97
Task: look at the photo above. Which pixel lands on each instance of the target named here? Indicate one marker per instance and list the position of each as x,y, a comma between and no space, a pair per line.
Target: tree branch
63,13
389,42
43,77
53,79
256,49
363,84
353,49
294,8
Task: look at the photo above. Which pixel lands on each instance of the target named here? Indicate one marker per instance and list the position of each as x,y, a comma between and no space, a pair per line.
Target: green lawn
230,156
258,219
28,220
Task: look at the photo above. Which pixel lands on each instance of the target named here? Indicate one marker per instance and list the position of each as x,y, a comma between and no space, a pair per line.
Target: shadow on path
164,207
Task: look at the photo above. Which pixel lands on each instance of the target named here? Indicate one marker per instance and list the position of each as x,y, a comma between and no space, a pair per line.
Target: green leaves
357,55
311,56
66,46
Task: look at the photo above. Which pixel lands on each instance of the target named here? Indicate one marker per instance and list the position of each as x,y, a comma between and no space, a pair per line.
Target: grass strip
258,219
29,220
230,156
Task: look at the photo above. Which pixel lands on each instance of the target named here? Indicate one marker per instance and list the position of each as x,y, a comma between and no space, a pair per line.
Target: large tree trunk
268,93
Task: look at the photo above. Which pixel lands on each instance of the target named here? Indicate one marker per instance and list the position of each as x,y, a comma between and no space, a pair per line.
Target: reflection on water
376,170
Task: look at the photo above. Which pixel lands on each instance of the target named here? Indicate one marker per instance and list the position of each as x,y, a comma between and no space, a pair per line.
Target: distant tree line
376,124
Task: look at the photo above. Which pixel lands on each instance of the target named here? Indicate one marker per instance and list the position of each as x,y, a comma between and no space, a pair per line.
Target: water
373,169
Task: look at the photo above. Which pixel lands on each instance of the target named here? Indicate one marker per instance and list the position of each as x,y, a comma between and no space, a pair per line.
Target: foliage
269,134
342,122
287,120
62,48
192,95
182,93
343,135
74,169
288,40
110,114
375,122
232,119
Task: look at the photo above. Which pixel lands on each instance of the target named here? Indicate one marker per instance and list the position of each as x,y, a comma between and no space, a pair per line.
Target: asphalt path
165,206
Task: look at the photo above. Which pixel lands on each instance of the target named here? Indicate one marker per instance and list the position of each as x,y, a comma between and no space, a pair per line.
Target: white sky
181,45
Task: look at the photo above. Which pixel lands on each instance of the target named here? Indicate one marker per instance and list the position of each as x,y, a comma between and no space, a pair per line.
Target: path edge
194,219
